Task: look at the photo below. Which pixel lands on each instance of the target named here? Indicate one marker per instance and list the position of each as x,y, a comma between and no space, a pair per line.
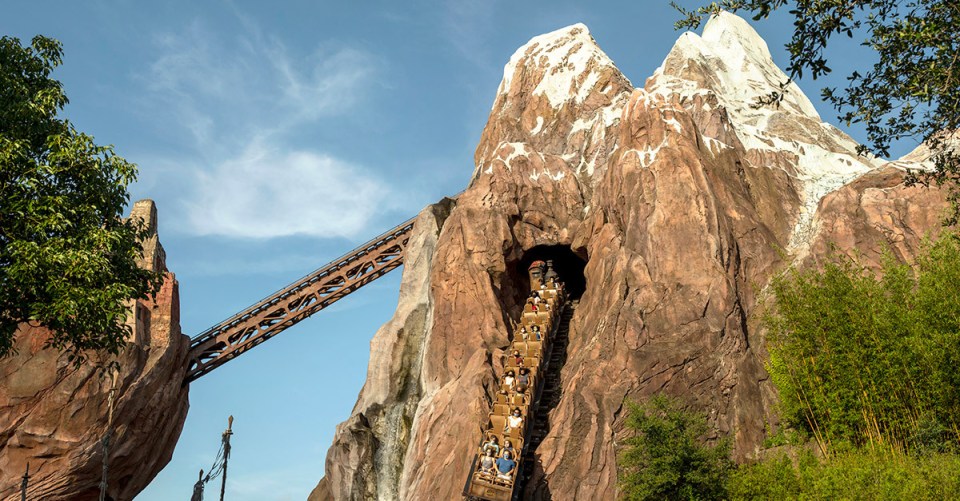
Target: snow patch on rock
546,173
536,129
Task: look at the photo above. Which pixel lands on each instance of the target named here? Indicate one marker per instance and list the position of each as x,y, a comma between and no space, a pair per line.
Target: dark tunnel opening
515,284
565,262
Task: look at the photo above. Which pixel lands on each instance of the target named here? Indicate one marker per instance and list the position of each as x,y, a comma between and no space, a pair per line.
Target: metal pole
198,488
23,484
226,455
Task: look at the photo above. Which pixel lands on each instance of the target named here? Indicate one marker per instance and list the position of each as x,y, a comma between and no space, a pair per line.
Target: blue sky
276,136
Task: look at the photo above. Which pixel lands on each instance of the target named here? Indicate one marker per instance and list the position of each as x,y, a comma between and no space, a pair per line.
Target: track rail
275,313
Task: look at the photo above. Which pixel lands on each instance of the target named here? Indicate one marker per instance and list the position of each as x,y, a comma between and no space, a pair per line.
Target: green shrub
864,358
858,474
667,458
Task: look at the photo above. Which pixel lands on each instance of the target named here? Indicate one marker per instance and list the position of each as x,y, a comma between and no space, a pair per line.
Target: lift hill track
275,313
533,341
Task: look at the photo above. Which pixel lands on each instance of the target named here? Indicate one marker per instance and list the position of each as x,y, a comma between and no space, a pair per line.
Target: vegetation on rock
68,261
871,359
858,474
666,458
865,362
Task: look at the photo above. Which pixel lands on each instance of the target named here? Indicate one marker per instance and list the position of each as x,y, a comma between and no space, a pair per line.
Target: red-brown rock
53,415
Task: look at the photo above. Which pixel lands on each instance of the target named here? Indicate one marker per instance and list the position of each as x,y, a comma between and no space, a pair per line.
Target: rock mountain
678,200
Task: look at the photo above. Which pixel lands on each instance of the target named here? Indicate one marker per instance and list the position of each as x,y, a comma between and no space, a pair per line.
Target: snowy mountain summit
561,94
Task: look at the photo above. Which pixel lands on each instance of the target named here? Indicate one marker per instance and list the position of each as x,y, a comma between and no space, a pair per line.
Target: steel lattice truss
312,293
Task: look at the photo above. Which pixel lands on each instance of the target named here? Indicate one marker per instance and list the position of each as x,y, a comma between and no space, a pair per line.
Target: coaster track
274,314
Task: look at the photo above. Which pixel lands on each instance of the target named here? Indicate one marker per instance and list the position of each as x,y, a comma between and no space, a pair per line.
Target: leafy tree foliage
667,458
67,259
871,359
912,90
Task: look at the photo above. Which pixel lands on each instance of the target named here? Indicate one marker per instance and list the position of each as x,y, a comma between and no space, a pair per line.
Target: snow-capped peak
570,59
731,59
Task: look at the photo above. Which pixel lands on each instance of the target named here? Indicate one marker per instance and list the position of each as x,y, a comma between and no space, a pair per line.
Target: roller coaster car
528,348
528,362
498,426
540,319
485,437
490,486
536,272
513,400
545,316
506,409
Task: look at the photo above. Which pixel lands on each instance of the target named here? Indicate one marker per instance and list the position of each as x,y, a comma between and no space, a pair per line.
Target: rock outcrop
53,415
682,198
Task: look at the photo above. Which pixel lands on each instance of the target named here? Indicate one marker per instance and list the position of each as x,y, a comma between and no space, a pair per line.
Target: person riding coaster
506,466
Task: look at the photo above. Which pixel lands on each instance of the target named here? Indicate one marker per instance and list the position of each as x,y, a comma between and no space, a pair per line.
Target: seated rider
487,462
536,333
506,466
523,379
509,380
522,397
508,447
524,333
514,421
492,444
517,358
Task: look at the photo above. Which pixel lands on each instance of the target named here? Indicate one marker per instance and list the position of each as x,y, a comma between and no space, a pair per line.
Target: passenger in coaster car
492,444
536,297
523,380
524,333
523,396
505,466
509,380
514,421
508,447
517,358
488,462
536,333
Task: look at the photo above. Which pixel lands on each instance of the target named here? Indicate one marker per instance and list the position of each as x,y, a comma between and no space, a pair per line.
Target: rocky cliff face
53,415
681,199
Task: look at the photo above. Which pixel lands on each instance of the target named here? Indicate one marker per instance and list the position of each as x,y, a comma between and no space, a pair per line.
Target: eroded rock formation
53,415
682,198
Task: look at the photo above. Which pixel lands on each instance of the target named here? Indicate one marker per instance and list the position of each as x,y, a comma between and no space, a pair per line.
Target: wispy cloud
210,82
466,25
264,193
236,103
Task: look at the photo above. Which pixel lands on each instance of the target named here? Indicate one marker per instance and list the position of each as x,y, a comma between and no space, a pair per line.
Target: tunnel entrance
566,263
